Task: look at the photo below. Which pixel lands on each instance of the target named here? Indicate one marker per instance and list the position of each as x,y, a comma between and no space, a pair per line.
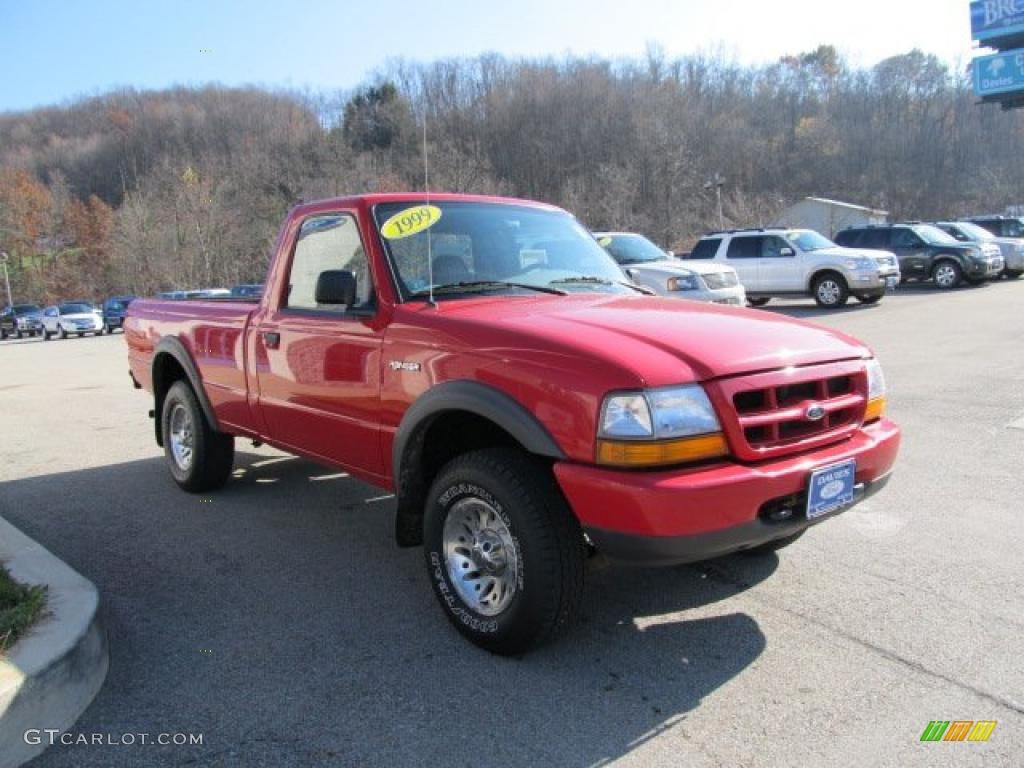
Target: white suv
800,262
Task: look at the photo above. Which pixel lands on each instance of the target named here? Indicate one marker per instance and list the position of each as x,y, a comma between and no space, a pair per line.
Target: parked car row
81,316
77,317
756,265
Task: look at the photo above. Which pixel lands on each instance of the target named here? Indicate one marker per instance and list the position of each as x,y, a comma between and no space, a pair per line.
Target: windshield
23,309
117,305
74,309
492,246
631,249
973,232
934,235
808,240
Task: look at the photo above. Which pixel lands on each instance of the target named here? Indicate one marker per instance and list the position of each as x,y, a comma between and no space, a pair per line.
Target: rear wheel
504,552
1013,274
947,274
199,458
758,302
869,299
830,290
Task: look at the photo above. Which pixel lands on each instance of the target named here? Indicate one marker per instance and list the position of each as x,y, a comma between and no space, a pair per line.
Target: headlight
683,283
659,426
876,391
861,263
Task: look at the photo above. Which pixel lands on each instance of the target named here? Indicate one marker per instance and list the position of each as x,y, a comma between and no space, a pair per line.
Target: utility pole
7,280
717,181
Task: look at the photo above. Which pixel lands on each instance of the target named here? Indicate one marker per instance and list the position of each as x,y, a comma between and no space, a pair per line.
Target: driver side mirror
336,286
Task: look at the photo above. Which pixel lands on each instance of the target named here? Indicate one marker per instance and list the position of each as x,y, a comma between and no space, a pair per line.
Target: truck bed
213,332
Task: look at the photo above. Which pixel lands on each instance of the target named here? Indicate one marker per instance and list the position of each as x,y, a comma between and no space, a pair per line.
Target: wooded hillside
141,191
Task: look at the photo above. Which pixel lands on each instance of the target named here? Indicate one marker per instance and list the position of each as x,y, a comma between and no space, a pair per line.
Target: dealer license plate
831,488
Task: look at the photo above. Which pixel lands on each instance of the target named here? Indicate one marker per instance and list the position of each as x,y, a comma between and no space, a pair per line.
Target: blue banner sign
993,20
1000,74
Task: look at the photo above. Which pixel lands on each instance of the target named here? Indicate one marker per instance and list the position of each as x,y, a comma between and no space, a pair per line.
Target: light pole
7,280
717,181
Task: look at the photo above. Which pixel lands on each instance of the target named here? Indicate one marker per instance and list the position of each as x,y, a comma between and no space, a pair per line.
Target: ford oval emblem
815,413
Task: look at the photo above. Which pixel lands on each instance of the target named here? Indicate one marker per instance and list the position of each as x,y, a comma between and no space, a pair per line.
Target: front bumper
685,515
113,321
984,268
734,295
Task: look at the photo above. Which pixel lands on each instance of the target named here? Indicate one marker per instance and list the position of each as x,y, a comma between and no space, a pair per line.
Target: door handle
272,339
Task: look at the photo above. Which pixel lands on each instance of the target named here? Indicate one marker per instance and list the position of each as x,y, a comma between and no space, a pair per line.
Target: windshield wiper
581,279
485,285
591,280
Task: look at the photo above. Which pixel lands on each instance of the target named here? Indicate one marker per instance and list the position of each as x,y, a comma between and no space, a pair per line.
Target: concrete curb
52,674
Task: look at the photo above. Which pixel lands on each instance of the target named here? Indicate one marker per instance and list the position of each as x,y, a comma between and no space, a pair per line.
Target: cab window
327,243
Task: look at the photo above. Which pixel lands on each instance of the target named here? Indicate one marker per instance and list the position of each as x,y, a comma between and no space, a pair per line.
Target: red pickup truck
486,360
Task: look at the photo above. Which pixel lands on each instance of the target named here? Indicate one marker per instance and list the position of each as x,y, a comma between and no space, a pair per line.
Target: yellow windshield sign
410,221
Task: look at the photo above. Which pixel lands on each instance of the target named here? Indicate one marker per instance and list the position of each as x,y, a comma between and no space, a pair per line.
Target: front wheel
830,290
45,334
947,275
503,551
200,459
18,334
1013,274
63,333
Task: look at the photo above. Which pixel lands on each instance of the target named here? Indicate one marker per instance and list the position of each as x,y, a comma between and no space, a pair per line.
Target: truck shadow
278,618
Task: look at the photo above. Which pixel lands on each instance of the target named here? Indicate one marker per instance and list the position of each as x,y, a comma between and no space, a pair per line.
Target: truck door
744,255
318,365
912,253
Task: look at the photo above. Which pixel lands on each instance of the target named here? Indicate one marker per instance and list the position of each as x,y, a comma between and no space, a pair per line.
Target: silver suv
781,262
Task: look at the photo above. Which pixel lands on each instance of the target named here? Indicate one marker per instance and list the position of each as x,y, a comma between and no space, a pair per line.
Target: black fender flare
173,347
459,395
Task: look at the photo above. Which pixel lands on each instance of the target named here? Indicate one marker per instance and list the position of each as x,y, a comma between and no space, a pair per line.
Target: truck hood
884,258
660,341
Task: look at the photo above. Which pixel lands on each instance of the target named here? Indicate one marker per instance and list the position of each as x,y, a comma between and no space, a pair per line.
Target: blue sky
53,51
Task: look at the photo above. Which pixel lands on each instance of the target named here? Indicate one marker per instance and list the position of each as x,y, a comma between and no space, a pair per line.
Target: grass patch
20,607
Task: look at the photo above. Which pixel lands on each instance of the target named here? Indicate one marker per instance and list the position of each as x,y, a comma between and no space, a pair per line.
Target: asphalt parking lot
277,618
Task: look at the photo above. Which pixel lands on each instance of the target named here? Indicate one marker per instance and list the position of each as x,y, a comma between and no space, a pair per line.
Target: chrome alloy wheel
829,291
181,436
945,275
481,556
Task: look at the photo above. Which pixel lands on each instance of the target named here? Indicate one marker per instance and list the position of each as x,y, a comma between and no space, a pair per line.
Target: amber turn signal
875,410
650,453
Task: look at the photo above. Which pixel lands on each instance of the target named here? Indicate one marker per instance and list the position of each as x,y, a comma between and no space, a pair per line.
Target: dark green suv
927,253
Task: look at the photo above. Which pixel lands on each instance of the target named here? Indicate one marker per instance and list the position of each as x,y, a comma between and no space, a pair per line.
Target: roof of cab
371,199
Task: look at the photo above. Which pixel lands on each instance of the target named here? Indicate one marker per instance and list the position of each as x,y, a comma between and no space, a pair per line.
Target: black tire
61,332
869,299
81,335
775,545
212,454
3,334
18,334
45,334
947,274
830,290
760,302
1013,274
518,492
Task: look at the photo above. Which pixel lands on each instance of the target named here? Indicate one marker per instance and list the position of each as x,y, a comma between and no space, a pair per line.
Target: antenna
426,192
